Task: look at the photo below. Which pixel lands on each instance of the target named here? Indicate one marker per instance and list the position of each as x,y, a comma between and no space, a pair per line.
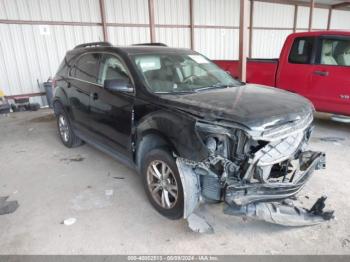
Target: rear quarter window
301,51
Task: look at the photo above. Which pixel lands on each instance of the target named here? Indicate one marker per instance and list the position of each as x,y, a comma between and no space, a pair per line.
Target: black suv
193,132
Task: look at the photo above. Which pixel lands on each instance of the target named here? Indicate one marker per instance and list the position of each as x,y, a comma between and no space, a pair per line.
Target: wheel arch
170,129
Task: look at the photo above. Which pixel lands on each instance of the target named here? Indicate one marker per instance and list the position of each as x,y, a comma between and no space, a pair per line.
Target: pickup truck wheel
163,184
68,138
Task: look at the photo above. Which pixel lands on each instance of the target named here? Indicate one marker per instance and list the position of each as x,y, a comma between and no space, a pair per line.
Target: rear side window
87,67
301,50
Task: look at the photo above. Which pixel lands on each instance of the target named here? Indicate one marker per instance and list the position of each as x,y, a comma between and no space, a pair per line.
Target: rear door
330,83
83,77
294,73
111,113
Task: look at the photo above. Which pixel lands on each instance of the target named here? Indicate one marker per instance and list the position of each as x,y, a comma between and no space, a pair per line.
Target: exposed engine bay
255,173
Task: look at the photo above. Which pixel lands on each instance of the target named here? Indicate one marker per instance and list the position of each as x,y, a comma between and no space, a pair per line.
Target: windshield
177,73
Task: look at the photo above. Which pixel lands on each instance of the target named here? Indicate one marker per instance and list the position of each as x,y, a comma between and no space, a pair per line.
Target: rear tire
65,131
162,183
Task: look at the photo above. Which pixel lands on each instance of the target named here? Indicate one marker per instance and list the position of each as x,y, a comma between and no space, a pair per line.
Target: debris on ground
77,158
199,224
345,242
47,118
69,221
118,177
109,192
7,207
332,139
31,129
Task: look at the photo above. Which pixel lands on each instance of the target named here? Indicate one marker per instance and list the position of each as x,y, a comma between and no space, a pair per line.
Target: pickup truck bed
261,71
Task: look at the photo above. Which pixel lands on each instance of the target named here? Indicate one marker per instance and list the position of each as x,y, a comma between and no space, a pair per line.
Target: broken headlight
215,138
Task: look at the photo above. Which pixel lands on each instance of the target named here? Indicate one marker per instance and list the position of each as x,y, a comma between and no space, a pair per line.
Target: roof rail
150,44
93,44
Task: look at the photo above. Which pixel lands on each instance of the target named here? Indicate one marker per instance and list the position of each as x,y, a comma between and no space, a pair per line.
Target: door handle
94,96
321,73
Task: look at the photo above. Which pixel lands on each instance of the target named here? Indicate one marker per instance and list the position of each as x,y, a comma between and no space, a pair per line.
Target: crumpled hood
254,106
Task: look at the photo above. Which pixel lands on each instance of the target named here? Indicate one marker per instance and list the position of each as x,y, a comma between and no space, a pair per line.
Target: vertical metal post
295,18
151,20
191,23
311,14
103,20
329,18
243,37
251,21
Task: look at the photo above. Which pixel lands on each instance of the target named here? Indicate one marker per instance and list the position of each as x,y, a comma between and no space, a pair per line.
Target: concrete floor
52,183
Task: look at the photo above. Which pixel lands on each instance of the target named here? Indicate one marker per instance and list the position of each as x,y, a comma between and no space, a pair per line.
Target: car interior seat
327,53
344,57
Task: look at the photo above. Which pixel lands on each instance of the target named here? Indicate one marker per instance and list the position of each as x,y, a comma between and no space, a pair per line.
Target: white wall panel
26,55
303,17
51,10
174,37
128,35
320,18
130,11
268,43
273,15
216,12
217,43
340,20
176,12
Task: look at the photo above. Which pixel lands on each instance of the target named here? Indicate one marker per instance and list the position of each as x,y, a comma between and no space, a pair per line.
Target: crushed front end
256,173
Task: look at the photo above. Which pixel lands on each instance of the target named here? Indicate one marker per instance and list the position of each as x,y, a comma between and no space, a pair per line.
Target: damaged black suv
193,132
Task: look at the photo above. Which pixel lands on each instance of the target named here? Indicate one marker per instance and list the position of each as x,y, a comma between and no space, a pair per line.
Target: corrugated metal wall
29,52
217,43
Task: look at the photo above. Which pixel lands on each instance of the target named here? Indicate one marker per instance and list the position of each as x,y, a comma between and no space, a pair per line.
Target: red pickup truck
313,64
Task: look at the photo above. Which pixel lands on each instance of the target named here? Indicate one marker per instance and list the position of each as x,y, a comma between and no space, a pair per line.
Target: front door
330,84
111,113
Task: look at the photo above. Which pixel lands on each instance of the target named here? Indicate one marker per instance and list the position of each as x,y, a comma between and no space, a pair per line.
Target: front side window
301,50
112,69
86,68
175,73
335,52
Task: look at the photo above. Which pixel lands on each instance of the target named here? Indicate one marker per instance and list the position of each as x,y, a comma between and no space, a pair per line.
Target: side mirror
118,85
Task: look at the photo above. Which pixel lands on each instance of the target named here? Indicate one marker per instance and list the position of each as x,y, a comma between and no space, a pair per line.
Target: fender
177,129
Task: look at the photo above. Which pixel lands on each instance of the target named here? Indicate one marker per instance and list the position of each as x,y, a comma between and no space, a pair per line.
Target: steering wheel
189,79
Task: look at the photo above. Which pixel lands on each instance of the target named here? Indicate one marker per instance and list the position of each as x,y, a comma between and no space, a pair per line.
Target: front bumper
268,201
261,192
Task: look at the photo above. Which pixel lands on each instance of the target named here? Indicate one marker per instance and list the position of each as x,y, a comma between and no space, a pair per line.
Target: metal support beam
243,39
311,14
191,4
251,21
341,5
329,18
103,20
295,18
152,30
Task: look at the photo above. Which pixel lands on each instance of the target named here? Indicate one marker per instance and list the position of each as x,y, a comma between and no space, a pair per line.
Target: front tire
66,133
162,183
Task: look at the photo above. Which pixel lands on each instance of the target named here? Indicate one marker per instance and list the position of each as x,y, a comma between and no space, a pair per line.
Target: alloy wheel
63,128
162,184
